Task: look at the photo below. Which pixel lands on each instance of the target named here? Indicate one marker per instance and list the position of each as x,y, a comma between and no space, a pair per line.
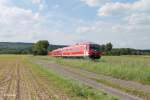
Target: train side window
87,47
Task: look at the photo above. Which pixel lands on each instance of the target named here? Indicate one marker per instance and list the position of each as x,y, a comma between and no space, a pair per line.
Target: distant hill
15,48
21,48
53,47
15,45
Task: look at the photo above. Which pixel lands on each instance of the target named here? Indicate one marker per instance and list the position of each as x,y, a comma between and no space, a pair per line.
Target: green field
134,68
32,80
134,72
21,79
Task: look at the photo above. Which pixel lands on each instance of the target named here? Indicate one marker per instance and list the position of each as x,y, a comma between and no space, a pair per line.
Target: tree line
42,47
108,49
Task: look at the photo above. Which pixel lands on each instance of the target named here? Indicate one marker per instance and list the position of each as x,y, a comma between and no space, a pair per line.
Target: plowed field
22,80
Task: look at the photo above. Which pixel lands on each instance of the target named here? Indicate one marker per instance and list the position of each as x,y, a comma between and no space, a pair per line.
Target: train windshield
95,47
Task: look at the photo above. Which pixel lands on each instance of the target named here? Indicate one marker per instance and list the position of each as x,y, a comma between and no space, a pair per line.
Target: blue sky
125,23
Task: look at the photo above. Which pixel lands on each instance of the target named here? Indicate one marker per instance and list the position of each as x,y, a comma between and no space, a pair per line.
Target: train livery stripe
73,53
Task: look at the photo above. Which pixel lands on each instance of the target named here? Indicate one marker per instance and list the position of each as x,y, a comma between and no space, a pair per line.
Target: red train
85,50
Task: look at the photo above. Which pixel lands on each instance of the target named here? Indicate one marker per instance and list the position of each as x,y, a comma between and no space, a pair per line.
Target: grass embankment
134,68
139,93
73,89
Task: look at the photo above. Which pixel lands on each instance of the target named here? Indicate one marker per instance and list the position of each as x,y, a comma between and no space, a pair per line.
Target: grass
74,90
35,73
139,93
134,68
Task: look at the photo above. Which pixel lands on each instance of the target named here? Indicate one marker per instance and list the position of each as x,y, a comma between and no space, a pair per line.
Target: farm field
22,79
130,74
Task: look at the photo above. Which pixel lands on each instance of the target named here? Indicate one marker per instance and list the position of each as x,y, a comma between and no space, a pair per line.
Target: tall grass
135,68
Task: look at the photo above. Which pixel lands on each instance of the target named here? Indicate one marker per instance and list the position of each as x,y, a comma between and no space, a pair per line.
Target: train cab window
95,47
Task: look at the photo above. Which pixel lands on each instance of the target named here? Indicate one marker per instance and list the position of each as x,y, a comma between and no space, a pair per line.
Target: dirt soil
19,82
85,78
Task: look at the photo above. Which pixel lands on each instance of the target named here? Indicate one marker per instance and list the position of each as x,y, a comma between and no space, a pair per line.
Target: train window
95,47
87,47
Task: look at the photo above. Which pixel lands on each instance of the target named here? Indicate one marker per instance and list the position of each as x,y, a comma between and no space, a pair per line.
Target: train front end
94,51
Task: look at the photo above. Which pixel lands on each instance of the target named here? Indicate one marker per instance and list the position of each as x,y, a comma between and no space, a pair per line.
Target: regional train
80,50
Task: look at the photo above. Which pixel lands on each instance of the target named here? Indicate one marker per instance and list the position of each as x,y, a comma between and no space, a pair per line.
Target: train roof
81,43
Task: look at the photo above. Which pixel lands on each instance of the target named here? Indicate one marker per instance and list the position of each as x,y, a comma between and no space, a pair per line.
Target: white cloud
117,28
40,3
3,2
129,30
37,1
24,25
114,9
41,7
132,24
120,34
142,5
117,8
85,29
138,18
93,3
57,37
18,24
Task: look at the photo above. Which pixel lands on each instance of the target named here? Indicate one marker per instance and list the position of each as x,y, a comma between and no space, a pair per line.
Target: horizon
73,44
124,23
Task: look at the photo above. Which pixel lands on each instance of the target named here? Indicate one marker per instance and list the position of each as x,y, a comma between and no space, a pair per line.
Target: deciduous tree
41,47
